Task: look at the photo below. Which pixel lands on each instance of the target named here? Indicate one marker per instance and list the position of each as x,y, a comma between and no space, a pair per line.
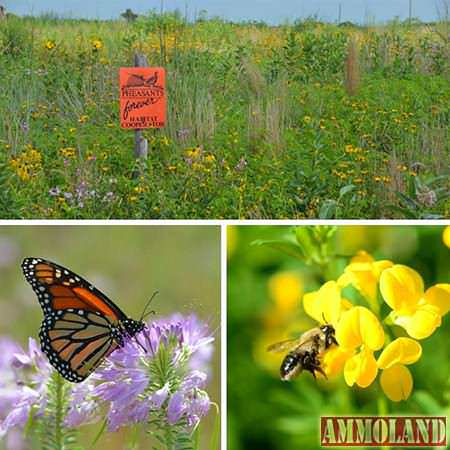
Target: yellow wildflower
97,44
50,45
418,312
396,379
359,328
363,273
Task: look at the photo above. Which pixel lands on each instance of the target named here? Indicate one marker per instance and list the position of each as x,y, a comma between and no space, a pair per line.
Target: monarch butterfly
81,325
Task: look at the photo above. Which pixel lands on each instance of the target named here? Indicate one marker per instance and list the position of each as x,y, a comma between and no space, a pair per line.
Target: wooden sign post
142,100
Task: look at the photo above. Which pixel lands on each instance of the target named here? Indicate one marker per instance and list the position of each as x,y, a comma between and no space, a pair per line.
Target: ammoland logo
377,431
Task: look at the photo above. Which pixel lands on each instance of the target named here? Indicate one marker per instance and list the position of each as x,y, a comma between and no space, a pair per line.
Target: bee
305,352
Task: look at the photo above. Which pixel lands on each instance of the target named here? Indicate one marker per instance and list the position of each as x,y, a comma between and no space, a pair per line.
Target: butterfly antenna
144,313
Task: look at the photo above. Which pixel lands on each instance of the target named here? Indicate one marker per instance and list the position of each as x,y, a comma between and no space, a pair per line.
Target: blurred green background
127,263
266,413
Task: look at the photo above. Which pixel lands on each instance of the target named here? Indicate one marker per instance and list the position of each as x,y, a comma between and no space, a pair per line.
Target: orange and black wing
76,342
81,325
58,288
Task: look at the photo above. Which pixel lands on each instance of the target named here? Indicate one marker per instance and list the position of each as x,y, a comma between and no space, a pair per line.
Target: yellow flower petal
334,359
325,304
330,299
401,288
359,326
397,382
446,236
401,351
380,266
439,296
362,256
364,275
312,306
422,323
361,369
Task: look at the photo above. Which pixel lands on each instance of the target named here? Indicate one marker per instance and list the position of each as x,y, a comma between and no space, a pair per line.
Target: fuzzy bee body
304,353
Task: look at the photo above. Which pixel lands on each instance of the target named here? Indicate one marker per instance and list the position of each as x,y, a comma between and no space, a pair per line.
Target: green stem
59,411
383,411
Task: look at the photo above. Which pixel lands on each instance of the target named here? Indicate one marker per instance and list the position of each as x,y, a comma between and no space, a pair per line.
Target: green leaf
345,190
287,247
328,209
403,211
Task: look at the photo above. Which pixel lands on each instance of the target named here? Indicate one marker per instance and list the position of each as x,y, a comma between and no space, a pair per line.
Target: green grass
260,124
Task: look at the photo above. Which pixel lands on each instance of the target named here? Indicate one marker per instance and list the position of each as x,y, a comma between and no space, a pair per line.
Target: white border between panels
223,340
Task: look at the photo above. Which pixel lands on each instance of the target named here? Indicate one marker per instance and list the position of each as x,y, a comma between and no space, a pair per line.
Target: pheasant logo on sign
142,97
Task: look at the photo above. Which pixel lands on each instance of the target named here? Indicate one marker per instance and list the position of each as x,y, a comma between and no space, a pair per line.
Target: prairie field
300,121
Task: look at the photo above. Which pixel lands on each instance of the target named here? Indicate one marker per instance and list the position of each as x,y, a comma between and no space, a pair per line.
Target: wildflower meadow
385,290
161,389
302,120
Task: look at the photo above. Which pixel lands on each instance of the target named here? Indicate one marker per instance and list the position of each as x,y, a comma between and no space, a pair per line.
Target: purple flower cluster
163,371
162,374
23,378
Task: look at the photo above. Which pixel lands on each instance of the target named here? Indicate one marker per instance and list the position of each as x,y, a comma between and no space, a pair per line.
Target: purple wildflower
24,382
154,374
23,385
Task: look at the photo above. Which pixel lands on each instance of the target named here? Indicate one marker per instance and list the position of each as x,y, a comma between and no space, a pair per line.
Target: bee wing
284,346
290,344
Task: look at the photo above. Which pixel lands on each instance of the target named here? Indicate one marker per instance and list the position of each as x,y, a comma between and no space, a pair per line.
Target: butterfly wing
76,342
58,288
80,326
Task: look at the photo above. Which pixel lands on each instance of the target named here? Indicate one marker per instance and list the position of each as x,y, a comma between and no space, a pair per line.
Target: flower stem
59,411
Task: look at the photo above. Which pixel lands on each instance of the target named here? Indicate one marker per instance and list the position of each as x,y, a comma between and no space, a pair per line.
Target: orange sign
142,97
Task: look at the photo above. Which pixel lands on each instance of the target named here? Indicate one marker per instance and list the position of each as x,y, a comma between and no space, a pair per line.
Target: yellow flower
285,289
68,152
361,369
401,351
307,119
359,328
418,312
397,382
50,45
83,119
194,152
363,273
326,304
446,236
97,44
396,379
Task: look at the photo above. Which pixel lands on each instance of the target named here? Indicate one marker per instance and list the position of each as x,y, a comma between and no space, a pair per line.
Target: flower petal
397,382
361,369
334,359
422,323
439,296
359,326
401,351
401,288
325,304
